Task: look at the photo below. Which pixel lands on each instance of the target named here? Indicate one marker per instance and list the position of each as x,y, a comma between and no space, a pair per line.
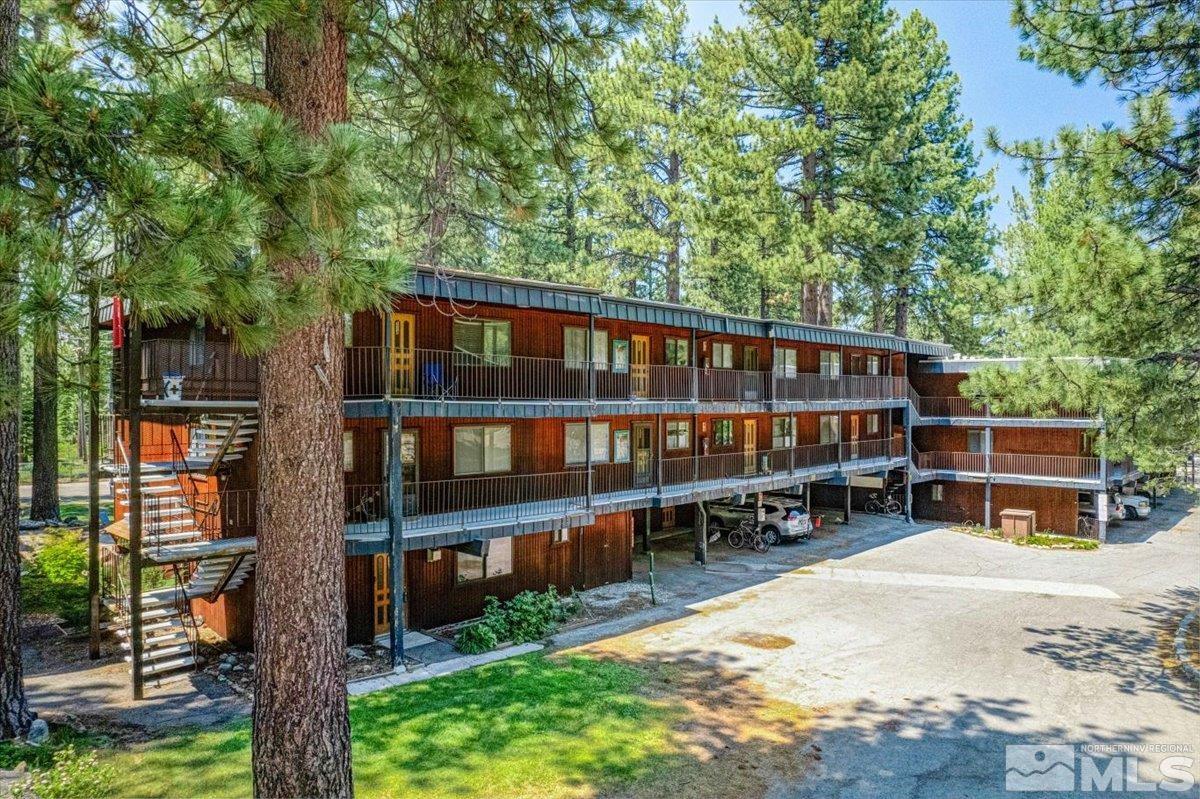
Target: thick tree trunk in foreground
15,717
301,720
44,497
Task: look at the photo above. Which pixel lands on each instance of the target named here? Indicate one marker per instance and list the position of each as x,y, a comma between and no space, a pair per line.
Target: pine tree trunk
902,311
673,275
301,721
44,496
15,717
437,191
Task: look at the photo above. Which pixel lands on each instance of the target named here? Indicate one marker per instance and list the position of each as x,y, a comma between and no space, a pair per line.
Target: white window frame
622,446
935,492
830,423
831,364
718,441
979,435
722,355
348,330
679,345
573,454
874,365
347,450
786,360
788,438
575,347
488,433
679,430
872,424
496,563
490,354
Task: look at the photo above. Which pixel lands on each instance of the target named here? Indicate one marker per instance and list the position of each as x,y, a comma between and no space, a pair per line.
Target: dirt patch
733,740
763,640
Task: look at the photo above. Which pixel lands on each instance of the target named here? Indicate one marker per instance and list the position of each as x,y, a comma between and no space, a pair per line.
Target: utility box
1018,523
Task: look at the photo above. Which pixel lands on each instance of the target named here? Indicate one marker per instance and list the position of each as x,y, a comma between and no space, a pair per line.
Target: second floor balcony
1068,468
185,371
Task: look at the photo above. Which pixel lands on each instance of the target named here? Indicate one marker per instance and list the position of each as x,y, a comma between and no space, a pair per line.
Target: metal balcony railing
205,370
1066,467
968,407
815,387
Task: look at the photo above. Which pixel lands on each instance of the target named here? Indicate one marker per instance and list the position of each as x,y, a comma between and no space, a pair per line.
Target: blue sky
998,89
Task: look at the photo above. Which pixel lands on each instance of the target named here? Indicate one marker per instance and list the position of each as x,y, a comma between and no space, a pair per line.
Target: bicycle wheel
736,538
894,507
761,544
873,507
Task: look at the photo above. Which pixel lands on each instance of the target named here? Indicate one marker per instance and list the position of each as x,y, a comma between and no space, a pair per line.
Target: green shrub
529,616
74,775
55,580
475,639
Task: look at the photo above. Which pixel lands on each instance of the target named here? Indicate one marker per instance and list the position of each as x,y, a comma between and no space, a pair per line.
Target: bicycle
890,506
1087,526
747,533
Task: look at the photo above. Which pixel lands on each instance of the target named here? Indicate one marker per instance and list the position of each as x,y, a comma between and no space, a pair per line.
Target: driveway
922,652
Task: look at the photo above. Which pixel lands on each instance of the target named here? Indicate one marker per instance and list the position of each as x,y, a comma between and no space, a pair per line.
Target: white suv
785,518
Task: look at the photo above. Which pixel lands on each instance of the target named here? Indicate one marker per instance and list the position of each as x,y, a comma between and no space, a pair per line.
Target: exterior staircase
221,438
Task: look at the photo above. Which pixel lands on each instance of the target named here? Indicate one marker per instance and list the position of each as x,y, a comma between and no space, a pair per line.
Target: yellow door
854,436
403,347
639,366
383,595
749,444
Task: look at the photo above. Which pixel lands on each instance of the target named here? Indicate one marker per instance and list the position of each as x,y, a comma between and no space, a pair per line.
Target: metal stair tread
159,652
158,667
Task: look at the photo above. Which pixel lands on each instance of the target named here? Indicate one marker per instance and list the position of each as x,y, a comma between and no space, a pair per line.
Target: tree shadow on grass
576,726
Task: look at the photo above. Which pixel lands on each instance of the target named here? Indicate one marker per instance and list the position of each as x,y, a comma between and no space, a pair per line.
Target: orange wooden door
749,444
639,366
383,595
403,353
854,436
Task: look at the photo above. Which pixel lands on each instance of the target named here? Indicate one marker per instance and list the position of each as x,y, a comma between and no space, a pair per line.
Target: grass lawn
535,727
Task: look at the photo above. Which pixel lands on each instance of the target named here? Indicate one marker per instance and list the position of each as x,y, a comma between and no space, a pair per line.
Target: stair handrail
183,609
235,425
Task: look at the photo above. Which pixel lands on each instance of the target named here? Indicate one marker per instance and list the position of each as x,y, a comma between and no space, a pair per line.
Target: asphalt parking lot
923,652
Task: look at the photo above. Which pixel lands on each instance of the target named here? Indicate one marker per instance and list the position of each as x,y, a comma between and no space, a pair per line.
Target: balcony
1063,468
468,503
212,371
968,408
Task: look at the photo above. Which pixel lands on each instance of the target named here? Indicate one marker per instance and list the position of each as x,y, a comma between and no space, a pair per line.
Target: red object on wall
118,322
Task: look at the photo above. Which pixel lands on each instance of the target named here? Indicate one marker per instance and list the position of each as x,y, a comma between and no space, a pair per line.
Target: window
679,435
621,449
829,429
620,359
485,449
576,442
750,359
722,355
575,348
348,329
561,535
489,341
872,424
785,363
935,491
975,440
722,432
496,561
347,450
196,346
873,364
782,432
831,364
677,352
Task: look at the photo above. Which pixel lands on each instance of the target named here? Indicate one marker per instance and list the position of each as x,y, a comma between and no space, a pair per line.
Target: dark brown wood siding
595,555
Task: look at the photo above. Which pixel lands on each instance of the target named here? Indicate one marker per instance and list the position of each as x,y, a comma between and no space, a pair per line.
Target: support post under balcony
1101,499
134,493
700,534
587,430
395,534
591,348
987,477
908,462
846,509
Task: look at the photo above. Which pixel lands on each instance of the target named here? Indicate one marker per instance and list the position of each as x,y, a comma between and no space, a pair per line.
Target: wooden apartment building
503,435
